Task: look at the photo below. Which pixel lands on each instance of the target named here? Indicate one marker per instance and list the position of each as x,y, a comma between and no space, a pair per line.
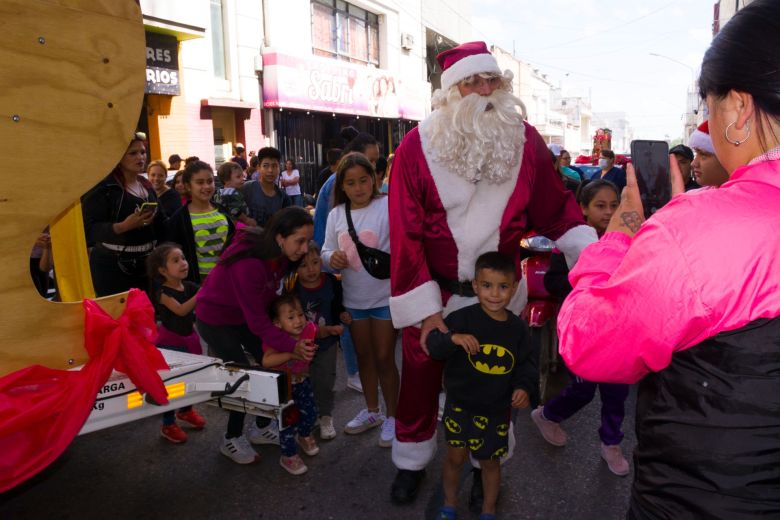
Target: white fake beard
473,142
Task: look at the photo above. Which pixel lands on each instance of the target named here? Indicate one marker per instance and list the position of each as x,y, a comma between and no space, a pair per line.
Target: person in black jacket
122,224
201,227
598,199
488,368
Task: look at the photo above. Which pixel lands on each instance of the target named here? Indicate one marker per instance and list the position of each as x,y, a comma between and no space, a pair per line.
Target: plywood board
71,88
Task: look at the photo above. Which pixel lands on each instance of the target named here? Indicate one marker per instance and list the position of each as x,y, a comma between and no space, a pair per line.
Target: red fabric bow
43,409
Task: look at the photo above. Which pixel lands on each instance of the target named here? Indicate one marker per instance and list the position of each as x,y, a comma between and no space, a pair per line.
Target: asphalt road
130,471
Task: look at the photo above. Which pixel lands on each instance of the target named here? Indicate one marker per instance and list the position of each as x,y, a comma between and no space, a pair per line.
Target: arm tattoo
631,220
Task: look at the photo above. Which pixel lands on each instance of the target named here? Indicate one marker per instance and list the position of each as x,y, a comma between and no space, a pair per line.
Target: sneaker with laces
193,418
387,433
327,431
550,430
447,513
173,433
267,435
354,383
363,421
615,460
308,445
294,465
239,450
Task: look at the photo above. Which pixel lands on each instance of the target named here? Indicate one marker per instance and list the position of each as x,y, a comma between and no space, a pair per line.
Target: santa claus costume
473,177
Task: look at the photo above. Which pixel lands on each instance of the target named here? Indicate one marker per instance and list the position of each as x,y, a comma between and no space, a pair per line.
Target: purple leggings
581,392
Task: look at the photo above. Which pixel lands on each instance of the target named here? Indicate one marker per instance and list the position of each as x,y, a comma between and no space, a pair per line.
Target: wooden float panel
71,88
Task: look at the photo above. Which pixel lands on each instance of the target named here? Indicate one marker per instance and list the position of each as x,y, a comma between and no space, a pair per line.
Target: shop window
344,31
218,40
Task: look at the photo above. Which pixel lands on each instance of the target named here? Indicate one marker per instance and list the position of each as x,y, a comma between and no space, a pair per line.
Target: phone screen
651,163
148,207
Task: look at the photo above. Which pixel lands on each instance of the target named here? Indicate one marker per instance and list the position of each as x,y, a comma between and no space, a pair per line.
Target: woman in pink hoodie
689,301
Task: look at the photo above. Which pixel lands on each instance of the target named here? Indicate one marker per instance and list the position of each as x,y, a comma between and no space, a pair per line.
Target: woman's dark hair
194,167
360,142
291,160
287,298
262,242
154,262
348,133
609,154
176,177
588,190
744,57
226,170
117,171
351,160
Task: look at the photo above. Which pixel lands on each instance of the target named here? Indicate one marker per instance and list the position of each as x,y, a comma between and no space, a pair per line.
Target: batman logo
480,422
457,444
475,444
502,430
500,452
451,425
493,360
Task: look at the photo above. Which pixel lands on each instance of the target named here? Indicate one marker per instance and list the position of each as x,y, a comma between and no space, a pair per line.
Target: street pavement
130,471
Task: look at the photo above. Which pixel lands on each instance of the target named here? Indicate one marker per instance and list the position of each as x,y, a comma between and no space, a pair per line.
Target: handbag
375,261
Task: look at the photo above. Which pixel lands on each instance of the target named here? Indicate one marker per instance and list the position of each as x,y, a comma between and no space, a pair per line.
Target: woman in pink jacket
689,301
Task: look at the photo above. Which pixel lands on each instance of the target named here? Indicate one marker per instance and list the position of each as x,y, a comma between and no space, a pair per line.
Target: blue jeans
348,349
303,396
297,200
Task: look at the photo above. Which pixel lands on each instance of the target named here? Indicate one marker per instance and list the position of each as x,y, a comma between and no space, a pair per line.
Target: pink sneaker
550,430
308,445
615,460
294,465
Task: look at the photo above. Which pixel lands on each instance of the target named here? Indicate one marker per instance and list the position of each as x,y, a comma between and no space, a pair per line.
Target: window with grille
345,32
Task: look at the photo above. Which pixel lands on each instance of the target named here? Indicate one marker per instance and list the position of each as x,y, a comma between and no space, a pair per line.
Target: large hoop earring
738,142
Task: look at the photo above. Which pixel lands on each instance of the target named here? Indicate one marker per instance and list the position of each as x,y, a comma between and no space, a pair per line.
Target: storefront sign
162,64
327,85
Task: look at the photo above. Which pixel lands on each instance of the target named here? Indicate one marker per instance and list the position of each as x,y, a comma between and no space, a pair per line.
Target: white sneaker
327,431
387,433
267,435
239,450
364,421
354,383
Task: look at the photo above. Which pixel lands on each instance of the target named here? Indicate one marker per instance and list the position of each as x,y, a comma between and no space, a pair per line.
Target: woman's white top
292,190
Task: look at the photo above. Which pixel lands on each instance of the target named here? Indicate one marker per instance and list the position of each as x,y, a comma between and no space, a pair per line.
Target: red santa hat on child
465,60
700,138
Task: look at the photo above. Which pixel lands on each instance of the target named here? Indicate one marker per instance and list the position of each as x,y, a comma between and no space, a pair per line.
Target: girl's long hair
262,242
351,160
154,262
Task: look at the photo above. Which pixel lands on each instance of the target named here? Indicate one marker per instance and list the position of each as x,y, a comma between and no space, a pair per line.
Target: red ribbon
43,409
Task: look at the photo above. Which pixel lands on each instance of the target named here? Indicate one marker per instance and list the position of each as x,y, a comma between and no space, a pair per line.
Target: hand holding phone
651,163
148,207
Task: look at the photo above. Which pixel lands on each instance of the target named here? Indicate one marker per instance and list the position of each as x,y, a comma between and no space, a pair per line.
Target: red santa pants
418,403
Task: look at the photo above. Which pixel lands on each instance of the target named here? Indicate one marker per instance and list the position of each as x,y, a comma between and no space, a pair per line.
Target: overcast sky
603,47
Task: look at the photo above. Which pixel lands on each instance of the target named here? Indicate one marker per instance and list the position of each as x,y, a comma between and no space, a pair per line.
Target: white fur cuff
413,456
414,306
574,241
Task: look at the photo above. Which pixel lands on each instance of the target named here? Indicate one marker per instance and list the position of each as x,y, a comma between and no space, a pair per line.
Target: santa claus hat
465,60
700,138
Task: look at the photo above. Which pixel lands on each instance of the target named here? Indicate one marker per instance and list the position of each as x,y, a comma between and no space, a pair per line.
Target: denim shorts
378,313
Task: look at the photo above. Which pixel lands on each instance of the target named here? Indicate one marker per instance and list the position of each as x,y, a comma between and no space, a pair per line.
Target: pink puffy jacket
708,262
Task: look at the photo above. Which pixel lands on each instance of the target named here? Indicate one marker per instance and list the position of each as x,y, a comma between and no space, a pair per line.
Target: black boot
406,485
477,496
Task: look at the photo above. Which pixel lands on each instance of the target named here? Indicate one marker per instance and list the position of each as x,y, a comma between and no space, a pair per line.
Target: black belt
464,289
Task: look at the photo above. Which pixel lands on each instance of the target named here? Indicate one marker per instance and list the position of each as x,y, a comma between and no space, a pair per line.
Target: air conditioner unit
407,41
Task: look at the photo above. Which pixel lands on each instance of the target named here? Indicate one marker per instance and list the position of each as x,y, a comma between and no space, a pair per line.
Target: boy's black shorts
485,436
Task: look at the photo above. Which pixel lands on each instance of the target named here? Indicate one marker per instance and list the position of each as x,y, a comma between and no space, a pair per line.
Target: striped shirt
211,231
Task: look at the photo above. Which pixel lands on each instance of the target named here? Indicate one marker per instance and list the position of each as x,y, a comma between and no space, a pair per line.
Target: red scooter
541,313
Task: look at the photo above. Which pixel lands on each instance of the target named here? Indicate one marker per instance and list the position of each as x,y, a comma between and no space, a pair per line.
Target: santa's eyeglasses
480,80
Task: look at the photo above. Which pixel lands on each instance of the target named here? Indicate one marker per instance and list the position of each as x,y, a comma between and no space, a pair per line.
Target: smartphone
651,163
149,207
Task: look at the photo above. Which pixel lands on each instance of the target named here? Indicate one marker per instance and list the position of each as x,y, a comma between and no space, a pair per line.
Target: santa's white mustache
472,110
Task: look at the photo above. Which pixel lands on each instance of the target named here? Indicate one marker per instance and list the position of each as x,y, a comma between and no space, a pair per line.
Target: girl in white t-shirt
291,182
366,298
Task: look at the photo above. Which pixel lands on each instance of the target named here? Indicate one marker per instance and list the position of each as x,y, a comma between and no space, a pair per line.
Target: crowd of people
245,270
